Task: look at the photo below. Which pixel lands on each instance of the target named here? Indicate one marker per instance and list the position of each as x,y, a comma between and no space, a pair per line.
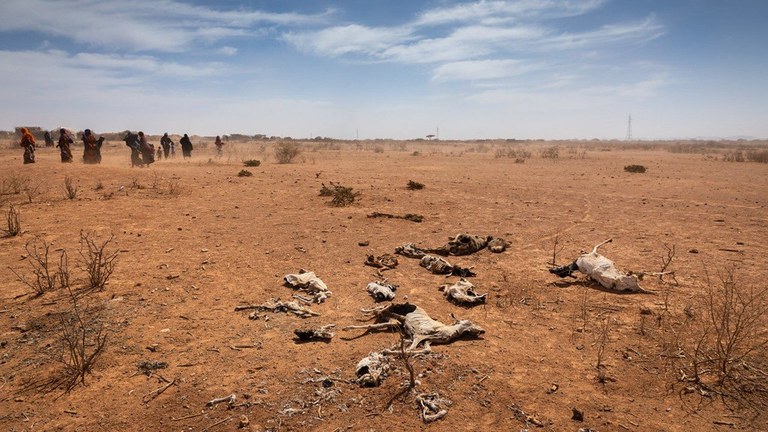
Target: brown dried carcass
462,244
463,292
417,325
323,333
410,250
438,265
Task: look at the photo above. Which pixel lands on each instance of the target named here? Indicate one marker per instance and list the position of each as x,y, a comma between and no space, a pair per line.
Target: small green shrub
252,163
244,173
342,195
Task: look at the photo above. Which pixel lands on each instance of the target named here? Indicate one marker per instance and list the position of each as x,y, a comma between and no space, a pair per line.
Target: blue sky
551,69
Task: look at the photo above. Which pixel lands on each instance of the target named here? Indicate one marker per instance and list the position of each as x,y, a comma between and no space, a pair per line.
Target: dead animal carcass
410,250
462,244
438,265
308,282
463,292
417,325
372,370
382,291
602,270
497,245
386,261
323,333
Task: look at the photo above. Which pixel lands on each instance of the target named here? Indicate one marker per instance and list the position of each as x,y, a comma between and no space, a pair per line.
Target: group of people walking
142,152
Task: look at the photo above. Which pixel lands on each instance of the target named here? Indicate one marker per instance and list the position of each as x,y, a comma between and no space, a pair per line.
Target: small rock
19,399
578,415
244,422
693,251
363,243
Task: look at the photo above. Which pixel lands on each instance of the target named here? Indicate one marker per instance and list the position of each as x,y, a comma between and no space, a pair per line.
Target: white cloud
503,11
348,39
139,25
227,50
483,70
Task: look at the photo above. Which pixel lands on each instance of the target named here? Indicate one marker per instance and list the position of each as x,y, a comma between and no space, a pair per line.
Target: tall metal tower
629,128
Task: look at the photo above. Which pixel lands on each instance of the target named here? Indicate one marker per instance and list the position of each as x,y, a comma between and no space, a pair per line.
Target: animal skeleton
322,333
603,271
372,370
278,306
438,265
417,326
462,244
463,292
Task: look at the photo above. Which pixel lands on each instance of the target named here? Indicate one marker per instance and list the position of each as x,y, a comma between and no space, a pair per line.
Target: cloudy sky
389,68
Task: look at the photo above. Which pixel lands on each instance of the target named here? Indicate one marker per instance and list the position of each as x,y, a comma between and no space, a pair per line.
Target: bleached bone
603,271
322,333
438,265
382,291
228,399
308,282
410,250
462,244
278,306
417,325
372,370
432,406
463,292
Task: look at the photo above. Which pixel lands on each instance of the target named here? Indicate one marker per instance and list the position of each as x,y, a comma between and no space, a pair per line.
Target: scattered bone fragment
278,306
417,325
228,399
438,265
603,271
147,367
463,292
433,407
372,370
308,282
323,333
382,291
386,261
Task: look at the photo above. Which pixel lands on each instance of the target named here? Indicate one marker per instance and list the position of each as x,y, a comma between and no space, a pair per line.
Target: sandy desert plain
195,240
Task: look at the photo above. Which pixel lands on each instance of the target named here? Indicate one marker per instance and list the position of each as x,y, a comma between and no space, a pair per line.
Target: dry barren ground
195,241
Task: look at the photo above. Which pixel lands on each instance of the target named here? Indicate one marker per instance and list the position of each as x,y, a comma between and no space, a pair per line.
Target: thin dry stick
157,392
218,423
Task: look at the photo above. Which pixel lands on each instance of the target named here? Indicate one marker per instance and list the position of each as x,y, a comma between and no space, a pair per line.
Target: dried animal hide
382,291
323,333
372,370
463,292
278,306
308,282
417,325
386,261
432,406
438,265
462,244
410,250
601,270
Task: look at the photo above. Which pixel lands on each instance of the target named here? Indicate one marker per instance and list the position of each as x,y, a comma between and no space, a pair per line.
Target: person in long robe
132,141
147,150
166,143
186,146
28,143
91,151
65,139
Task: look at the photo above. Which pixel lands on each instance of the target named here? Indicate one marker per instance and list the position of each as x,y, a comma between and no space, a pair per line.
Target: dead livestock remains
603,271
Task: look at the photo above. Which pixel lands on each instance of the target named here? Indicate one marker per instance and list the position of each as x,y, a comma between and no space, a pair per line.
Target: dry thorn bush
38,251
13,222
98,261
286,152
342,195
70,190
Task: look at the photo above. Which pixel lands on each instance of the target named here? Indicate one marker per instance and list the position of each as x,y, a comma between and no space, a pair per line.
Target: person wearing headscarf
48,139
147,150
64,141
186,146
91,153
28,143
167,144
219,145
